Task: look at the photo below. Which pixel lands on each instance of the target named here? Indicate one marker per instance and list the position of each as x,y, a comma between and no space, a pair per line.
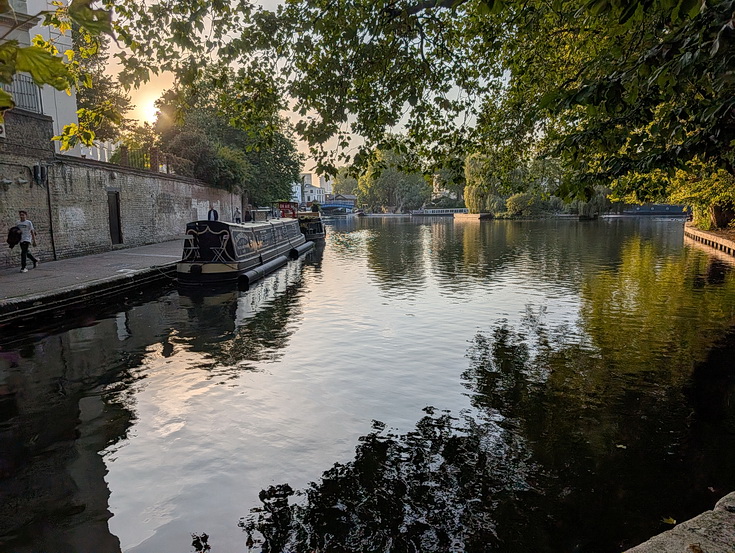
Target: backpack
14,235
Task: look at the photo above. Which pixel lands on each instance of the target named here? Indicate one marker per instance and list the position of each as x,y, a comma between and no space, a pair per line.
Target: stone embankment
723,241
56,288
710,532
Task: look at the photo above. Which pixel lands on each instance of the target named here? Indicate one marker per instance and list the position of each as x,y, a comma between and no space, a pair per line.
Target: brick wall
70,212
27,143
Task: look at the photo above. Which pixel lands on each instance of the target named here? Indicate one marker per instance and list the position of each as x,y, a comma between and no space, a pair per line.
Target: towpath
55,286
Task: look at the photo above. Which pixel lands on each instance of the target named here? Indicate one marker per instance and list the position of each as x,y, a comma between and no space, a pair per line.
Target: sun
148,110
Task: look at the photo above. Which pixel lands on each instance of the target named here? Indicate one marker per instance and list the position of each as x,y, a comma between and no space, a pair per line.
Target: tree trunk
721,215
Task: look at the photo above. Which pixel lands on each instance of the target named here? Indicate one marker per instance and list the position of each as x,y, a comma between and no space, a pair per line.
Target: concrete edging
709,239
74,297
710,532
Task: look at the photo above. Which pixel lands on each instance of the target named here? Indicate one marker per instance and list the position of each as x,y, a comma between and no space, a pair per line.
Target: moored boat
220,252
310,222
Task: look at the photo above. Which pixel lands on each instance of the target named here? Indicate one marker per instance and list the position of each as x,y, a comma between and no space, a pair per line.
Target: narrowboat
221,252
310,222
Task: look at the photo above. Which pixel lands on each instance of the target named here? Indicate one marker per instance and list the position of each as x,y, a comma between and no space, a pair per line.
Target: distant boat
438,212
221,252
310,222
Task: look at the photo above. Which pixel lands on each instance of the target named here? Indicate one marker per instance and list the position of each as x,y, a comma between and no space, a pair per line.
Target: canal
413,385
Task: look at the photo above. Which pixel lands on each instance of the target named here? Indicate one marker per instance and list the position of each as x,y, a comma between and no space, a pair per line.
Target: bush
522,204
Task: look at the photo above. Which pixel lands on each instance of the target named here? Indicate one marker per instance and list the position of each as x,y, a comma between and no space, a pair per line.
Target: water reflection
248,326
576,434
67,397
543,464
582,388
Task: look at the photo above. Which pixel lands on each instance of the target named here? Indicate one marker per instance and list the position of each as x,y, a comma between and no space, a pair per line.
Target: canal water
413,385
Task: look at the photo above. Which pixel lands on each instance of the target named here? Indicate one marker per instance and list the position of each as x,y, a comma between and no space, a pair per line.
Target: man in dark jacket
14,235
27,237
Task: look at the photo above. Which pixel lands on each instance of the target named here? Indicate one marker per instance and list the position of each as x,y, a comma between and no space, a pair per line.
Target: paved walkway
59,284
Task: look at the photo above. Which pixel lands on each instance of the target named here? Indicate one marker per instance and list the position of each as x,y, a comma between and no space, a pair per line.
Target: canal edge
711,532
58,302
710,239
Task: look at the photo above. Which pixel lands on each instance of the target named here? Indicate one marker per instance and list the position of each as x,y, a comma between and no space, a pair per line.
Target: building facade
314,194
81,206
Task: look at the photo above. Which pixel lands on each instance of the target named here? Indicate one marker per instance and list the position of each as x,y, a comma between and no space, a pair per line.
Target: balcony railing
26,94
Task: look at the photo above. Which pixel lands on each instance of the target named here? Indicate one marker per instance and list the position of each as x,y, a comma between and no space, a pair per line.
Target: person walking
27,237
212,215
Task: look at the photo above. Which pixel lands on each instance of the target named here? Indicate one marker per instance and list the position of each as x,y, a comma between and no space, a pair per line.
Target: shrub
522,204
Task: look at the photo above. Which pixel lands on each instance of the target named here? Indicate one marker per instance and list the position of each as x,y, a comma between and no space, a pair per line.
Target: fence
152,159
26,94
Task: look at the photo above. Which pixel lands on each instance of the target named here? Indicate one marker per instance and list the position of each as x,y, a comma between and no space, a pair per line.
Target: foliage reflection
574,440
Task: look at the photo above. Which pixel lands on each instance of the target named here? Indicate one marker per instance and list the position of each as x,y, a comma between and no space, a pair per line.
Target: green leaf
6,102
488,7
690,8
628,12
547,99
94,21
43,67
596,7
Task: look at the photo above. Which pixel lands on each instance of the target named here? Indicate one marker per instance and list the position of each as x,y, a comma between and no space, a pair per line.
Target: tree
344,182
154,37
612,87
275,169
386,183
101,99
608,88
252,149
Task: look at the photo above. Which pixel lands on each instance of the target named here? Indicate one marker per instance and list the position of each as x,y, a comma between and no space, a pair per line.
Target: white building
314,194
296,192
57,104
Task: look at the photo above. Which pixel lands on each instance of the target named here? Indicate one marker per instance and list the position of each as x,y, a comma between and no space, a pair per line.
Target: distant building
306,179
296,192
327,184
313,194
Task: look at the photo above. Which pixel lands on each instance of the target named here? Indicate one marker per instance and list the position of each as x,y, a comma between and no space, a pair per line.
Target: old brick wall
154,207
70,210
27,143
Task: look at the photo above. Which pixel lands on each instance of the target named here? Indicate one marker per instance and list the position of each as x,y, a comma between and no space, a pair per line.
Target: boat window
244,242
265,237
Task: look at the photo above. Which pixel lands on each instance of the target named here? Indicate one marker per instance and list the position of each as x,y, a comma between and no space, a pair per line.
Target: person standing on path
212,215
28,237
238,219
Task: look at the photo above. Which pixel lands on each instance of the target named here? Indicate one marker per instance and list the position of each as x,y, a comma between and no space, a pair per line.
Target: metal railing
26,94
152,159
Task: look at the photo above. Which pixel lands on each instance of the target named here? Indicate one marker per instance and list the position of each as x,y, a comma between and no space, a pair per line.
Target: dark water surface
418,385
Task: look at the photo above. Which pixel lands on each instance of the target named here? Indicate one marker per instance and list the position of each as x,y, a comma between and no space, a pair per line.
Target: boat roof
247,225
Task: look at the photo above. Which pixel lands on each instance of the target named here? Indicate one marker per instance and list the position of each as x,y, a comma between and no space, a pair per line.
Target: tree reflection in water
437,488
545,462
